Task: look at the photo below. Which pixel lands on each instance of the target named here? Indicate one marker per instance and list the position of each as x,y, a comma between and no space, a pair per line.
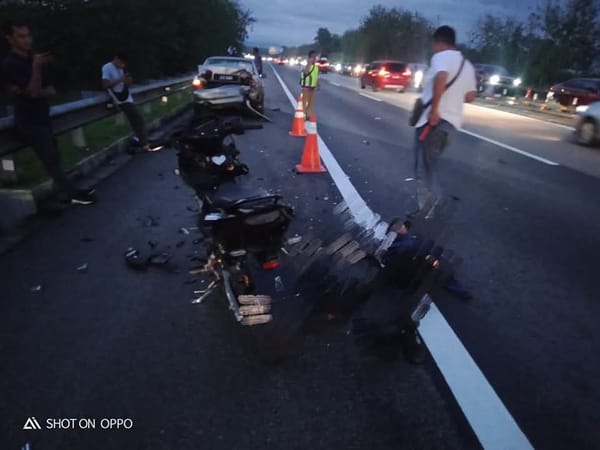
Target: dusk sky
287,22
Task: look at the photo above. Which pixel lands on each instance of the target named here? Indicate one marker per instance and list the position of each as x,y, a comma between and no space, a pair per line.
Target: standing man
117,82
309,80
26,76
449,83
258,61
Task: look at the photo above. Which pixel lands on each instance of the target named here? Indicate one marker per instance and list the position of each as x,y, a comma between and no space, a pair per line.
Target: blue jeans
427,155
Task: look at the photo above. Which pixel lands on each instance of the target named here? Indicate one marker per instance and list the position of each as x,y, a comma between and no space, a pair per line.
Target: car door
372,72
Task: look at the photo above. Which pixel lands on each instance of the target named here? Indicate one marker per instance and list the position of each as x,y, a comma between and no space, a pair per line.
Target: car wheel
586,132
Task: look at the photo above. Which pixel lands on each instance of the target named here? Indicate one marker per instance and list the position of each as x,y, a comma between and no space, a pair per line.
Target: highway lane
112,342
528,233
545,139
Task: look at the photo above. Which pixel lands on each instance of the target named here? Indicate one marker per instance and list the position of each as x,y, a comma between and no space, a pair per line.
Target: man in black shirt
28,83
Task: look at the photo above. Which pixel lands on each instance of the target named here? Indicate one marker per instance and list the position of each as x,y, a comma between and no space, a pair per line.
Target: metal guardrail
74,115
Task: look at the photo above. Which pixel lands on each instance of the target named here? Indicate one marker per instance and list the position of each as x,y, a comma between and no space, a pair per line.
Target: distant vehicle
227,81
418,77
359,70
280,61
587,128
495,79
578,91
323,64
386,75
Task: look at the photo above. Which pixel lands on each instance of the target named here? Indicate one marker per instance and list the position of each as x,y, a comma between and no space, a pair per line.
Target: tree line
160,37
558,40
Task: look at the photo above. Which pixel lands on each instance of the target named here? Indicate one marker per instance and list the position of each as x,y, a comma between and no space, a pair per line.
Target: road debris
37,288
83,268
184,230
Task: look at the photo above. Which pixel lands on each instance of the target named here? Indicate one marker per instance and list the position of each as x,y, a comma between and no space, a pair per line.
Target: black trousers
136,120
41,138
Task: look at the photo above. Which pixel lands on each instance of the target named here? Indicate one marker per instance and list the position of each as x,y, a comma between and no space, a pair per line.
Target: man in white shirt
116,81
449,83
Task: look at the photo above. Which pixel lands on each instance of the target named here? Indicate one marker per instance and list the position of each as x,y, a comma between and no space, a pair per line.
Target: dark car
495,79
578,91
387,75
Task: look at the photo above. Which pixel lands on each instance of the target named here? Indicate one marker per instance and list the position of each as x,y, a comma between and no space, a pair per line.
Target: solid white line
510,147
487,415
492,423
370,96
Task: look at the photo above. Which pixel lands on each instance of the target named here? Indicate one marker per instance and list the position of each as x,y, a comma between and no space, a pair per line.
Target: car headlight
338,67
494,80
517,82
581,109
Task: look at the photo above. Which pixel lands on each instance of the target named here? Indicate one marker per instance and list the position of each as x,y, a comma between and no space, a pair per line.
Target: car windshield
493,70
395,67
230,63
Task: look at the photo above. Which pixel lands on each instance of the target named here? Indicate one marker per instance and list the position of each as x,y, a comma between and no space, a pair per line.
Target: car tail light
271,265
407,72
384,73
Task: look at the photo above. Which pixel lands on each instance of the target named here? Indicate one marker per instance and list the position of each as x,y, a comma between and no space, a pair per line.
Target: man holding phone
29,84
117,81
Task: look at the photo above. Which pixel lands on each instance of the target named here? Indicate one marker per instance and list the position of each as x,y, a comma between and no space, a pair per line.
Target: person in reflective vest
309,81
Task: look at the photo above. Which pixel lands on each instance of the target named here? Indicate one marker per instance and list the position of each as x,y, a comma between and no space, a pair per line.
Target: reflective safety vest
311,79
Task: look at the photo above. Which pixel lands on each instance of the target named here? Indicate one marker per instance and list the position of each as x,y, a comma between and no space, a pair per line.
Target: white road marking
510,147
492,423
370,96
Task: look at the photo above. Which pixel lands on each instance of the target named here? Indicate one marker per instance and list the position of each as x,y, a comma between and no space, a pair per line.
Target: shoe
84,198
413,347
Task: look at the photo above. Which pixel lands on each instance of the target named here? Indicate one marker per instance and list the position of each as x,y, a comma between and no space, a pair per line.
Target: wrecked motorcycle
245,227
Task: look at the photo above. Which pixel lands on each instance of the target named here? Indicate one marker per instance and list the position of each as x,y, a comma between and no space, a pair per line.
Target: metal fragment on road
37,288
409,179
176,172
83,268
184,230
255,299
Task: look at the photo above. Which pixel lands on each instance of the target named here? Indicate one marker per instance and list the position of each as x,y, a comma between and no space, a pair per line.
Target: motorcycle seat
229,194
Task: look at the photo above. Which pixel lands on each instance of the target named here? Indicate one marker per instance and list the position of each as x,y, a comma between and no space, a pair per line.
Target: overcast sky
288,22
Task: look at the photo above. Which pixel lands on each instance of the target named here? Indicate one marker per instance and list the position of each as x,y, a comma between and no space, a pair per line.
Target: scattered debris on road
37,288
83,268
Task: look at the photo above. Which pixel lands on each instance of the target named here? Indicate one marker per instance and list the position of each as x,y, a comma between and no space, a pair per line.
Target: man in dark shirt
258,61
26,76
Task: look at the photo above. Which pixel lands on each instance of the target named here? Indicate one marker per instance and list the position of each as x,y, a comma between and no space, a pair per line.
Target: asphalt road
111,342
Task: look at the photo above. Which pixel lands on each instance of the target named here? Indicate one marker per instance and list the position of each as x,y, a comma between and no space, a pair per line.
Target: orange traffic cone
298,122
311,161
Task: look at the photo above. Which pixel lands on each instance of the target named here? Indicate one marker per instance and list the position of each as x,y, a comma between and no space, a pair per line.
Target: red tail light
270,265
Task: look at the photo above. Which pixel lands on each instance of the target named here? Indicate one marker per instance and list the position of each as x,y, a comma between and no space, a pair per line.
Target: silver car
226,81
587,128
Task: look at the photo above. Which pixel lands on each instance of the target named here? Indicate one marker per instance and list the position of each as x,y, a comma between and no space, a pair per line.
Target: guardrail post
78,138
8,170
